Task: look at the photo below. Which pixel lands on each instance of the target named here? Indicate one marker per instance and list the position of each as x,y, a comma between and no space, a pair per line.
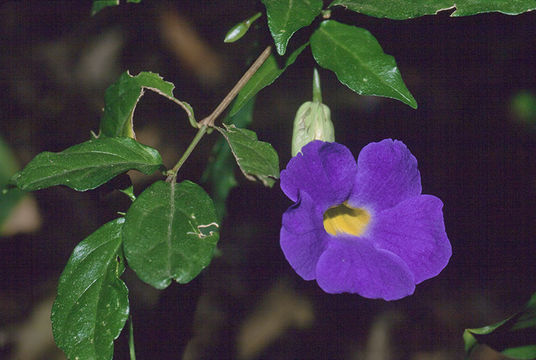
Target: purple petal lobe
323,170
302,236
386,175
415,231
354,265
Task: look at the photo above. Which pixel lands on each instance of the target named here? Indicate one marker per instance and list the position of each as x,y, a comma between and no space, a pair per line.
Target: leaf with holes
265,75
87,165
285,17
220,171
122,97
257,159
170,232
92,303
403,9
359,61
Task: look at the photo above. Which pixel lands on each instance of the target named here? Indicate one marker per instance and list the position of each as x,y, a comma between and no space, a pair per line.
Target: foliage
513,337
171,229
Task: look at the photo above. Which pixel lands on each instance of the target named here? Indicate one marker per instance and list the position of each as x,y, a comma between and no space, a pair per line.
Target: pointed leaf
267,74
170,232
359,61
285,17
219,173
122,97
257,159
92,303
87,165
514,337
403,9
98,5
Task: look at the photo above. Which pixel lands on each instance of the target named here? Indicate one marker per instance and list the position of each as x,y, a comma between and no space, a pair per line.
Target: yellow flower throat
344,219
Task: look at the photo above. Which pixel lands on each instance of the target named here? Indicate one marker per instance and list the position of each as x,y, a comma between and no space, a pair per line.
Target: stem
131,339
317,92
209,120
172,174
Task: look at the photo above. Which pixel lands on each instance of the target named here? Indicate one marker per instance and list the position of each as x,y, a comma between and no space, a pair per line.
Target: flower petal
354,265
415,231
386,175
324,170
302,237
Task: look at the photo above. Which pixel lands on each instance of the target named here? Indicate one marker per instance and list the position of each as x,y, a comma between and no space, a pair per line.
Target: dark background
473,151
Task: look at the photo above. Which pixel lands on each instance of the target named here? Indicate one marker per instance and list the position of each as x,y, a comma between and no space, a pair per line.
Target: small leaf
285,17
267,74
170,232
359,61
98,5
87,165
92,303
402,9
219,173
122,97
514,337
257,159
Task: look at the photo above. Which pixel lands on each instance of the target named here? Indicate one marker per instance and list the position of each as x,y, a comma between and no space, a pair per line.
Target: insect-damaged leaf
87,165
257,159
122,97
170,232
92,303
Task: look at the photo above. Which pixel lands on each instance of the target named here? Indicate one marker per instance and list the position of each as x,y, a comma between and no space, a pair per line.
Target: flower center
344,219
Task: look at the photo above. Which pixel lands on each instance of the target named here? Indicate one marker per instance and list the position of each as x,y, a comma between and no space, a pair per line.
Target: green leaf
267,74
170,232
122,97
359,61
9,198
257,159
514,337
87,165
98,5
285,17
219,173
404,9
92,303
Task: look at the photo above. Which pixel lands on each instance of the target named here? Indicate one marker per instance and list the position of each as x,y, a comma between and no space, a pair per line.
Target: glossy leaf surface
92,302
404,9
170,232
98,5
257,159
357,58
122,97
285,17
514,337
87,165
220,171
267,74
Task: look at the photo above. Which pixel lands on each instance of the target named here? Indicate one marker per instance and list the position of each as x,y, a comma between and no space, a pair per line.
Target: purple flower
362,227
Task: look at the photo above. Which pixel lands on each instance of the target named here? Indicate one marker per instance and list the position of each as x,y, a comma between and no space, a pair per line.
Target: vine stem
208,122
131,339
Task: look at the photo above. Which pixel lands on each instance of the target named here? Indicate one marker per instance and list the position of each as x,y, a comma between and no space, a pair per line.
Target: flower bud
312,122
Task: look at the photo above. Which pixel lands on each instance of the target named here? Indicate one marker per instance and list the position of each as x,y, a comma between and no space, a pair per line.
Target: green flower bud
312,122
240,29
